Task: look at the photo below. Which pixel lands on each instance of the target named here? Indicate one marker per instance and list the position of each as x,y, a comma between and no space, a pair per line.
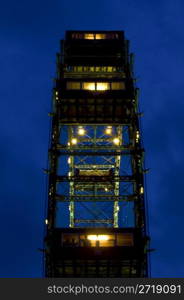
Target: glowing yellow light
46,221
100,36
89,36
56,93
98,237
106,189
69,174
68,143
108,130
89,86
116,141
69,160
102,86
141,190
81,131
74,141
137,136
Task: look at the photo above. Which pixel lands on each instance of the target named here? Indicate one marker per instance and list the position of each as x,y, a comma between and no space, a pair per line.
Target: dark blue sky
30,33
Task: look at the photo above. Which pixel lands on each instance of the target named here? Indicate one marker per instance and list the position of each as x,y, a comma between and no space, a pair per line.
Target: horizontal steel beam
106,198
87,179
94,221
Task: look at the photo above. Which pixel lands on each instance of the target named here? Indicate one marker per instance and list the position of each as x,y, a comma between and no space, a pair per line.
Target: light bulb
74,141
81,131
108,130
69,160
116,141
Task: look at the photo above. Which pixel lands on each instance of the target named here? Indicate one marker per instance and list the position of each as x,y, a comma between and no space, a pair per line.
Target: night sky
30,33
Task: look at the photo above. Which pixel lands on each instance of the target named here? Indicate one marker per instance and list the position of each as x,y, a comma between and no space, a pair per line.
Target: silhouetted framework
96,222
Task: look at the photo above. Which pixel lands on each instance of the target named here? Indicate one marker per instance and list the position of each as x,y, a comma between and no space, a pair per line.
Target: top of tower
94,35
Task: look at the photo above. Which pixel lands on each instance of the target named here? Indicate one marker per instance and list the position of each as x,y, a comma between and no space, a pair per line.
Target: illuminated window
72,85
102,86
118,85
89,36
99,86
100,36
92,86
98,237
79,69
109,69
88,86
91,69
101,240
97,36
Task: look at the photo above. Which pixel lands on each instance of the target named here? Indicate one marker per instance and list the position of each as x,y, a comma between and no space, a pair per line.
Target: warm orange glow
89,86
100,36
89,36
99,86
98,237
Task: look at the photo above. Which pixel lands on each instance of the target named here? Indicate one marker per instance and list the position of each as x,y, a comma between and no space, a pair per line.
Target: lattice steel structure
96,223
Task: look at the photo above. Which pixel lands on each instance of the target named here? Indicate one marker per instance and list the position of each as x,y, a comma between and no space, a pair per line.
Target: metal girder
86,179
109,198
94,221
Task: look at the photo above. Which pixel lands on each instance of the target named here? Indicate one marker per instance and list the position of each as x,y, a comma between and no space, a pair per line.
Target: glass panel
100,36
89,36
125,239
91,69
102,86
88,86
79,68
70,240
109,69
77,35
72,85
103,69
118,85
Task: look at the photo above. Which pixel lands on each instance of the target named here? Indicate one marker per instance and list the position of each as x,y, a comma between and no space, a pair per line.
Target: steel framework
96,174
